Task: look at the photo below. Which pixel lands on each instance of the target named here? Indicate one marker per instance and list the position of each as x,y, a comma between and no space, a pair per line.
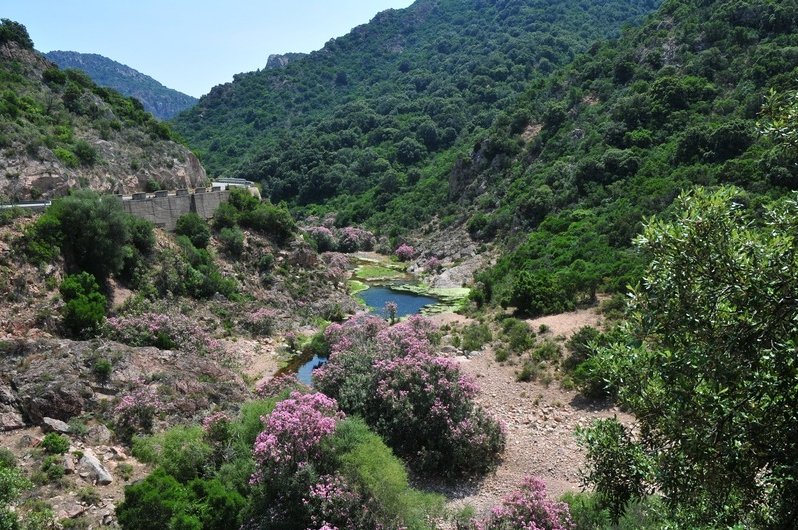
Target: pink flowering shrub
405,252
353,239
261,321
337,266
323,237
286,455
166,331
293,433
135,412
277,385
334,504
420,403
527,508
433,264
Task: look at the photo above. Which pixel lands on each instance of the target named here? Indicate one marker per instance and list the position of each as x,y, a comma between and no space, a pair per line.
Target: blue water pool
406,303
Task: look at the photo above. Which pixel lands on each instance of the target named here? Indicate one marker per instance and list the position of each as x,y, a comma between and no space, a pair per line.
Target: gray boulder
91,468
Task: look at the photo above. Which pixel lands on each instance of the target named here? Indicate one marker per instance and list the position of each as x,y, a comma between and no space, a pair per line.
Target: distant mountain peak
162,102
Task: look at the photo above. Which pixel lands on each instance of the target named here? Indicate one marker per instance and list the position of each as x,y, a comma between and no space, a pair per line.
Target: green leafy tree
11,31
194,228
709,365
89,229
85,304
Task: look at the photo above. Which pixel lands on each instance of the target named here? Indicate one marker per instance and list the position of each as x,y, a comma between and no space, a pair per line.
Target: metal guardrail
26,204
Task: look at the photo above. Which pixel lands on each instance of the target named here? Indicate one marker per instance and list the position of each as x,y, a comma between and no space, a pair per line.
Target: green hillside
375,107
59,130
162,102
673,104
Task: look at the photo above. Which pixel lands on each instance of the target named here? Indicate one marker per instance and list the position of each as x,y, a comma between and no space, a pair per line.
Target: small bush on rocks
55,444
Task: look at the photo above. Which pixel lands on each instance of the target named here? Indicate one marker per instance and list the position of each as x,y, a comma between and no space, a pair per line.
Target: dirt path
540,422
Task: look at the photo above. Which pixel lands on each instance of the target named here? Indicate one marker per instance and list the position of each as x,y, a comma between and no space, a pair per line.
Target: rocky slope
58,131
162,102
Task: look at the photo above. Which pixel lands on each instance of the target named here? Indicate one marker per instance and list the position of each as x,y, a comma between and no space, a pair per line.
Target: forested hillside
374,108
162,102
589,153
59,131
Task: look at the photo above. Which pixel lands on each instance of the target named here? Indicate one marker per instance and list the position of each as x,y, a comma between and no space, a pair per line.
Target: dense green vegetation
332,470
619,133
376,110
49,114
707,365
162,102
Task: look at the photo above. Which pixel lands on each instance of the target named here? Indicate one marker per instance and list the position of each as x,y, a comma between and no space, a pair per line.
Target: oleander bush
420,403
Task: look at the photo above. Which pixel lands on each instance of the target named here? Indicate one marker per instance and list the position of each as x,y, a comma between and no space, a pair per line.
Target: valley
472,266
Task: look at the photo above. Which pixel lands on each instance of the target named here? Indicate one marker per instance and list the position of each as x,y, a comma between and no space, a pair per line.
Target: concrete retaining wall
164,208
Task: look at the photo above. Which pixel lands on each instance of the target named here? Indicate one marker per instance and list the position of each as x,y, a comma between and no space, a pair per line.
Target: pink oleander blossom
353,239
261,321
164,330
405,252
135,412
293,433
422,404
528,508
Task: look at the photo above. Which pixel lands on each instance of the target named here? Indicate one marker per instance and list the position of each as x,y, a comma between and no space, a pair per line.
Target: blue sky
192,45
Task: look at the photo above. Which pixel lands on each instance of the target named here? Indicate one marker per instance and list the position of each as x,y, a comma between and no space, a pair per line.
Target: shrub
12,484
323,238
7,458
85,153
527,508
518,335
194,228
90,230
581,345
55,444
181,451
135,413
420,403
102,370
261,322
53,468
353,239
270,220
85,305
232,241
405,252
475,336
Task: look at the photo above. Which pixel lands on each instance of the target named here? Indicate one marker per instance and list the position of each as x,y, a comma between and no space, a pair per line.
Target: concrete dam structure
164,208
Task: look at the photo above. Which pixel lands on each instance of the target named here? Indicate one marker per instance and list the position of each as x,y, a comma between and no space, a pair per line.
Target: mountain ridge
161,101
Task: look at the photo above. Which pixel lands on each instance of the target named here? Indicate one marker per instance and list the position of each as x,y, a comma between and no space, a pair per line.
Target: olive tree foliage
780,119
709,367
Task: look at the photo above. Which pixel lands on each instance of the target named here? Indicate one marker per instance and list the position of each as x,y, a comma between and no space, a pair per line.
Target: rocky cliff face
282,60
60,131
164,103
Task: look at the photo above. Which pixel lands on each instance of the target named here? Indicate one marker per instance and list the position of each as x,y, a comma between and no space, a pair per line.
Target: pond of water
406,303
375,298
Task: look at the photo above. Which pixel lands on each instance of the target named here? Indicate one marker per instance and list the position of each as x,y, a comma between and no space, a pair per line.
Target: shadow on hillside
588,404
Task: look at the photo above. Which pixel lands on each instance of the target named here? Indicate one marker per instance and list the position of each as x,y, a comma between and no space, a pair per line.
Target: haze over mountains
162,102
